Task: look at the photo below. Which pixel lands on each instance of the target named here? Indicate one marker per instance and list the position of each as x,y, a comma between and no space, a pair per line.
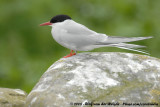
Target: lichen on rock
12,97
98,77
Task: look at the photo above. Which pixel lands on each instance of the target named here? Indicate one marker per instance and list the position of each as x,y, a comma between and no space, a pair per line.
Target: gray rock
12,97
98,77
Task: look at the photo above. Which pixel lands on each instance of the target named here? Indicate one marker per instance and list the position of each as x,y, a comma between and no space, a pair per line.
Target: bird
78,37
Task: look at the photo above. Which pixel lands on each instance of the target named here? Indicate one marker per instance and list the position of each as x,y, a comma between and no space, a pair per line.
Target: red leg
71,54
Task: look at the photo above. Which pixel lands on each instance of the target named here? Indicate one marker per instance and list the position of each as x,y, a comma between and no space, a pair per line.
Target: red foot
69,55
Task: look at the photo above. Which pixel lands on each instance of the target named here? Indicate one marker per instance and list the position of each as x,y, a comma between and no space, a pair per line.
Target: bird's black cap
59,18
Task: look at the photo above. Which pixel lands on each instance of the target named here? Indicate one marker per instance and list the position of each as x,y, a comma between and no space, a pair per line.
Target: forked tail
119,42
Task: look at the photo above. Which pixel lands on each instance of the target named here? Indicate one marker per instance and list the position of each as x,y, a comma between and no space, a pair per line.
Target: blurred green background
27,50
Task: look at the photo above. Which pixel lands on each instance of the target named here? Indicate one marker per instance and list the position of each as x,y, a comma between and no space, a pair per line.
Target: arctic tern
78,37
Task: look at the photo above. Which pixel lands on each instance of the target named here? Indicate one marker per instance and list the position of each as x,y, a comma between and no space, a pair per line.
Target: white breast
59,34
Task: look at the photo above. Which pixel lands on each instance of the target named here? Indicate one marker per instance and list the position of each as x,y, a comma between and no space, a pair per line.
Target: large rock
122,78
12,97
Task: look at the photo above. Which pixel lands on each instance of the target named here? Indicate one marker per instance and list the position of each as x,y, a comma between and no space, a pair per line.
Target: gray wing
79,34
83,33
117,39
78,29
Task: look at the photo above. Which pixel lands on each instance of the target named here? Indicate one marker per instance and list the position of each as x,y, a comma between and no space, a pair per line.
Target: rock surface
12,97
98,77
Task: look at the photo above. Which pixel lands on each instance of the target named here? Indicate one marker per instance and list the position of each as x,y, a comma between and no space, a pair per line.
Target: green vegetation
27,50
